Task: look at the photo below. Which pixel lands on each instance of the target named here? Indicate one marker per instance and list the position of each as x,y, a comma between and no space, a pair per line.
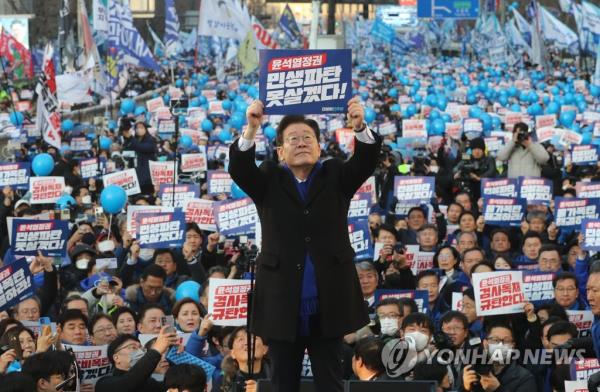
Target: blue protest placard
218,181
502,211
160,229
305,81
16,284
360,239
360,205
584,155
183,193
590,228
587,190
414,190
504,187
570,212
536,190
537,287
237,217
421,297
30,235
15,175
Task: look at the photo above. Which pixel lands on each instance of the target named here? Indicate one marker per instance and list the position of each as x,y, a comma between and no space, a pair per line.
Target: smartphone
65,214
98,212
46,321
243,239
168,321
14,344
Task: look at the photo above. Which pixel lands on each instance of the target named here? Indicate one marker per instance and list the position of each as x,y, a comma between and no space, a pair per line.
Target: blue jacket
195,346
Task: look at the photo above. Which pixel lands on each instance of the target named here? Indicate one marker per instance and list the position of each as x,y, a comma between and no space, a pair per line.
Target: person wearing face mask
81,256
145,149
469,172
133,367
417,329
505,374
389,317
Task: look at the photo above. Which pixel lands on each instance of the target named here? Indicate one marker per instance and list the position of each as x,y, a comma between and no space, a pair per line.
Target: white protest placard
498,292
126,179
545,121
162,172
414,128
194,134
387,128
154,104
545,134
576,386
88,167
46,189
81,144
583,319
134,210
422,261
194,162
369,187
201,211
457,301
584,368
93,362
228,301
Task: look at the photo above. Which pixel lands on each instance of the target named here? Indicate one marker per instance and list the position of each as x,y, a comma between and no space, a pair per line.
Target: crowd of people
112,307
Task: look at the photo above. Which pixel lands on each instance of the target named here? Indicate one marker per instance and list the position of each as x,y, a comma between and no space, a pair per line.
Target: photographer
145,148
471,169
385,172
525,157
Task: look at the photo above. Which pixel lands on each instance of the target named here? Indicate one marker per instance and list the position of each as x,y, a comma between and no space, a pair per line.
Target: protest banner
569,137
360,238
537,287
369,187
126,179
545,134
472,126
498,292
166,127
590,228
587,190
194,162
93,362
505,187
570,212
360,206
510,119
80,144
457,301
218,181
160,229
216,108
499,211
88,168
30,235
228,301
162,172
493,144
201,212
237,217
305,81
345,139
134,210
421,261
546,120
16,284
414,190
582,369
194,134
414,128
421,297
576,386
584,155
45,190
182,192
15,175
387,128
153,104
583,319
536,190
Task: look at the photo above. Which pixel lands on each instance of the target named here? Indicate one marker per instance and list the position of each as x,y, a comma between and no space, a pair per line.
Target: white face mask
434,169
421,340
500,352
82,263
389,326
107,246
146,254
87,199
135,356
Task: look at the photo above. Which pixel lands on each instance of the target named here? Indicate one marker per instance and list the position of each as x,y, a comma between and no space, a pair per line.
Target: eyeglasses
131,347
105,330
565,289
493,340
394,316
294,140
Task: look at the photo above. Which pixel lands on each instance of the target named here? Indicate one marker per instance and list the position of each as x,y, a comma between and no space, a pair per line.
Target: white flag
223,18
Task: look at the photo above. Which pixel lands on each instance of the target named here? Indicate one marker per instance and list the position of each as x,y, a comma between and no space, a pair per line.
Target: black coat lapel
288,185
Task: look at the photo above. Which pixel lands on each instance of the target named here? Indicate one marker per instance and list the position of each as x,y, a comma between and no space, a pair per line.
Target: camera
442,341
420,161
522,135
247,254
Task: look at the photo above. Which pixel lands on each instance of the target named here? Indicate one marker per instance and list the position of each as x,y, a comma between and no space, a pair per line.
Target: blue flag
125,38
288,24
171,29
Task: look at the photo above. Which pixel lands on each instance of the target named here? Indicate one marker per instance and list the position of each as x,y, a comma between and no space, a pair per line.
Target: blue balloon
113,199
503,100
127,106
202,100
552,108
206,125
438,127
594,90
270,132
434,114
515,107
487,121
225,135
185,141
393,92
241,106
140,110
16,118
67,125
195,103
252,92
237,192
567,118
513,91
535,109
582,106
442,103
166,99
236,122
227,104
370,115
105,143
42,164
188,289
446,118
411,110
569,98
471,99
65,201
475,111
418,98
395,108
587,138
112,125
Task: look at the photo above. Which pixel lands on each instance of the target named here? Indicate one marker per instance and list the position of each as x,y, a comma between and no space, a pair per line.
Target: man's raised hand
254,115
356,113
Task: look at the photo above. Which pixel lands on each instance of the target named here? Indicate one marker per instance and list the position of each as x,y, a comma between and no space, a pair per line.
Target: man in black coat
307,291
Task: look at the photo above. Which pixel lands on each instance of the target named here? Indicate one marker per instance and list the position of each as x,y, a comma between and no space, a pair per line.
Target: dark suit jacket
291,227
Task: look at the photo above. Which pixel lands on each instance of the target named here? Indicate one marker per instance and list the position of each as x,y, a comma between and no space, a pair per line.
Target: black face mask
89,239
393,280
